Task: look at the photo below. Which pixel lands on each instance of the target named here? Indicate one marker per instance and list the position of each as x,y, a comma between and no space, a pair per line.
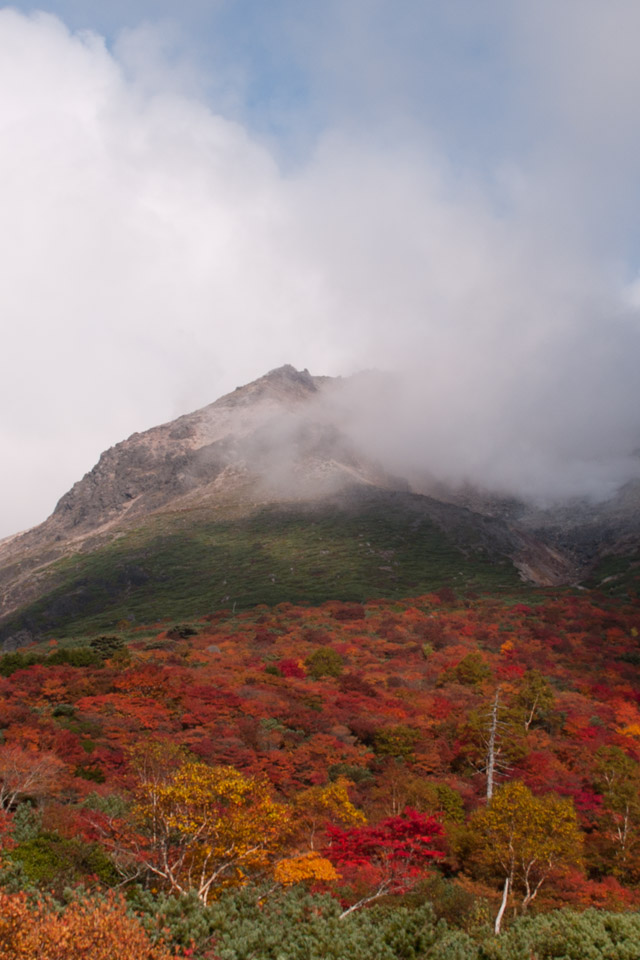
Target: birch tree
523,838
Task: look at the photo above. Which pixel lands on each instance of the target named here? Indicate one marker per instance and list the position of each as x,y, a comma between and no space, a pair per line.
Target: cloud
156,253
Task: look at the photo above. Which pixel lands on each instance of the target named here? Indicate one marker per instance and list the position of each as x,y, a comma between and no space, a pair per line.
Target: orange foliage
310,867
101,930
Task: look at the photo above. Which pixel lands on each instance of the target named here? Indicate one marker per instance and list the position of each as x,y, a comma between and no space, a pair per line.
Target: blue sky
195,193
291,68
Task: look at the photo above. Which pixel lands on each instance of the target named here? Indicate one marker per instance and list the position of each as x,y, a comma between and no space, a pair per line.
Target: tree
203,828
524,838
618,779
27,773
492,746
305,867
534,698
317,805
390,856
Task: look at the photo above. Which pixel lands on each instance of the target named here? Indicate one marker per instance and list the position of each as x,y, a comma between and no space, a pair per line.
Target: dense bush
567,935
296,925
324,662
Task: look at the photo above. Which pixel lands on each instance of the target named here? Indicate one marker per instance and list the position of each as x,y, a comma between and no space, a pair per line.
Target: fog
159,247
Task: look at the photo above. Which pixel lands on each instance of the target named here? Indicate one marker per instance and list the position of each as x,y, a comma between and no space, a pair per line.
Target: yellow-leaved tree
202,828
316,806
524,838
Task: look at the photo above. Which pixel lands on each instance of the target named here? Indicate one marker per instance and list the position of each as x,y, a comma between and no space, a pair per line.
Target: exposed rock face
269,433
153,468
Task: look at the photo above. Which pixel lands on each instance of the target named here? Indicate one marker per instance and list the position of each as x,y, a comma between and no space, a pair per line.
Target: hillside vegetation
183,564
298,781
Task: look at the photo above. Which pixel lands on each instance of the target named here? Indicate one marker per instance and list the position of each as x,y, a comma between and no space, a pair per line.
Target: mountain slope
261,497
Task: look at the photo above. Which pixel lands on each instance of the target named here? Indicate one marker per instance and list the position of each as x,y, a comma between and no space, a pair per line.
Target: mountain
263,497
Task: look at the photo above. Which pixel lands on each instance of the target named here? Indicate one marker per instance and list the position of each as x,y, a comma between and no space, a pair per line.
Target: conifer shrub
568,935
297,925
106,646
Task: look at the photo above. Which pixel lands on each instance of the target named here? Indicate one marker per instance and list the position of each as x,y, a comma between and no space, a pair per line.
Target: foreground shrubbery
101,929
291,924
567,935
295,925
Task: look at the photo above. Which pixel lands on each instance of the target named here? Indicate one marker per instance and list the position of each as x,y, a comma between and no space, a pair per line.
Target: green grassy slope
187,564
617,576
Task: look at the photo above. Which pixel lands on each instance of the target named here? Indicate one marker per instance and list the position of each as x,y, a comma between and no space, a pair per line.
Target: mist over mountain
228,503
293,436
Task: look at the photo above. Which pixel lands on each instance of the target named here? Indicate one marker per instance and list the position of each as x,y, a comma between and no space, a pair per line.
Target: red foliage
398,844
290,667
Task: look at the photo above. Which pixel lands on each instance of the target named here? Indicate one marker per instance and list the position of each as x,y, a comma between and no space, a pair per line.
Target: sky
195,193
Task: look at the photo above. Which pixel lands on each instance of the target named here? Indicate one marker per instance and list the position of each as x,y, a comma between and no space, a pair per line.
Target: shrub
324,662
106,646
396,741
567,935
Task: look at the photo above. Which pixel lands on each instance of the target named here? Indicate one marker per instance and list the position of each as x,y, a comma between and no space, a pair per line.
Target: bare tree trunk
503,907
380,892
491,746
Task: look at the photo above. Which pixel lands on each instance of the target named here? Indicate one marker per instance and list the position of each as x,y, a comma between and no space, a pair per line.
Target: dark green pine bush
295,925
567,935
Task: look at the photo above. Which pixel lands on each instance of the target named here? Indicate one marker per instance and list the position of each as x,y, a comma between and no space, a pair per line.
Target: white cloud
155,255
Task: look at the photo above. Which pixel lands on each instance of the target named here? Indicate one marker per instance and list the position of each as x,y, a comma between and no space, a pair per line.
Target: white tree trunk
491,747
503,907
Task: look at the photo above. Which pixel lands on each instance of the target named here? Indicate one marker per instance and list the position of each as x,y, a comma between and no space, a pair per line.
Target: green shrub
567,935
181,631
350,771
11,662
74,657
106,646
64,710
396,741
93,774
472,670
296,925
56,861
324,662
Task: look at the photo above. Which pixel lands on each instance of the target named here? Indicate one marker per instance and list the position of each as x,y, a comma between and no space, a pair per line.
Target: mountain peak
281,384
268,432
288,372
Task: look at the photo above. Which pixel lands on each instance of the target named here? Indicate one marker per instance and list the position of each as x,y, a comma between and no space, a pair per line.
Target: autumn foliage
102,930
342,747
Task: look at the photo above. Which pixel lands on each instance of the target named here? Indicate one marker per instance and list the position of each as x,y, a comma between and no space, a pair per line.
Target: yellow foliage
318,805
308,866
332,801
208,825
633,730
524,837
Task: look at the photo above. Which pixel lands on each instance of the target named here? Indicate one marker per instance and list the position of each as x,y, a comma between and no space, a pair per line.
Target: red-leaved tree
387,858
